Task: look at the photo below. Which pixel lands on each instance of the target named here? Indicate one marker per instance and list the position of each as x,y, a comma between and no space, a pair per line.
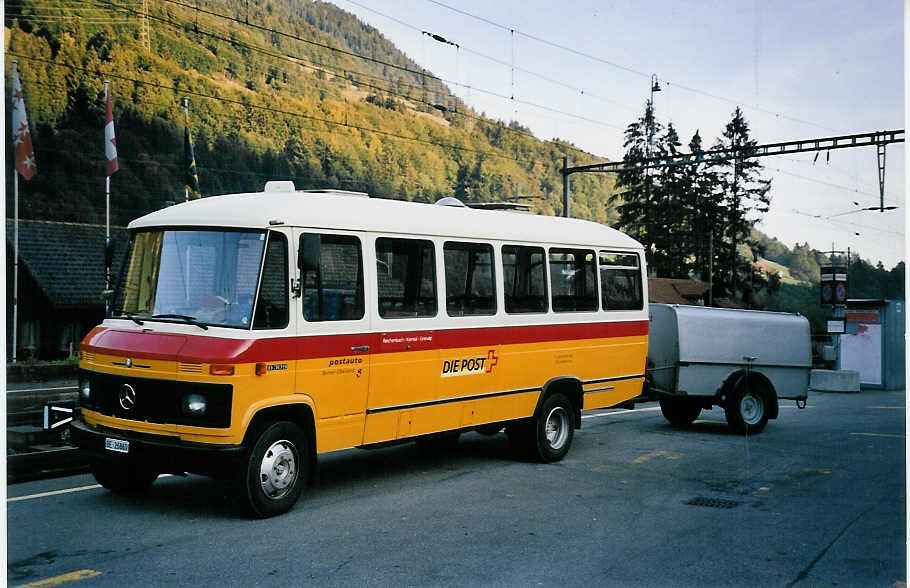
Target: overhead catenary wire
504,63
894,197
628,69
360,56
825,219
245,104
825,183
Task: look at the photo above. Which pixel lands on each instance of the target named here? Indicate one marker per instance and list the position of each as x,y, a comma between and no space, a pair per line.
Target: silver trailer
741,360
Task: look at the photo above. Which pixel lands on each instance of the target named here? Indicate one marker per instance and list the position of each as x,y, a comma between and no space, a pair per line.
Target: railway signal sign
833,286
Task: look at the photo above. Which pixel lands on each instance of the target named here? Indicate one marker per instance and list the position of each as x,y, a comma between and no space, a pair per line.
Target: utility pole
565,186
711,267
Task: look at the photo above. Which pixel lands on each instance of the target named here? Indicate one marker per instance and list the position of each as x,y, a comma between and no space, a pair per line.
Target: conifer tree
636,187
745,194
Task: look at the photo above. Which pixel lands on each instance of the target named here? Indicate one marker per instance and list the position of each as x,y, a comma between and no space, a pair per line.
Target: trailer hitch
801,404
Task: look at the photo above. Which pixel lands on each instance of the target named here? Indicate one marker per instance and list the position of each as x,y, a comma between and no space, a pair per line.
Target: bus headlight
194,405
85,391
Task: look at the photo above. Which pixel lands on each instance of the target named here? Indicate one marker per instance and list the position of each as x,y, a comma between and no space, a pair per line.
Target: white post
15,245
107,228
15,257
186,122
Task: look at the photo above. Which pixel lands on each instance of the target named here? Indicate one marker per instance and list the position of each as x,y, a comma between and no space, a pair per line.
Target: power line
824,183
499,61
244,104
843,222
628,69
359,56
831,170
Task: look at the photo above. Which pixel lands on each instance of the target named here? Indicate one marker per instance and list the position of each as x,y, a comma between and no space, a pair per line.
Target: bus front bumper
165,453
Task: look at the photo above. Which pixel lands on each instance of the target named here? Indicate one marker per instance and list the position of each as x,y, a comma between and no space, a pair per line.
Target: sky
799,70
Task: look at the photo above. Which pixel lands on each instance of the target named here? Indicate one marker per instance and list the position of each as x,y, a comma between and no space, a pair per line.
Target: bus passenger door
333,344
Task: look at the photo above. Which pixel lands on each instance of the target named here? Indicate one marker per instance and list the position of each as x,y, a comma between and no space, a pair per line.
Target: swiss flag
22,138
110,142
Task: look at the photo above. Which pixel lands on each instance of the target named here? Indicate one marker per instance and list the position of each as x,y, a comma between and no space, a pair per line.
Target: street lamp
655,87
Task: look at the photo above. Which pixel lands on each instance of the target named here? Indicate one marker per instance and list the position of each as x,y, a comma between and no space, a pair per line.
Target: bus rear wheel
277,470
553,429
680,412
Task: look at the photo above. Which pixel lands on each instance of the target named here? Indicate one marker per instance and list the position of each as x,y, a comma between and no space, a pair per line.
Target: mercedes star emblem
127,397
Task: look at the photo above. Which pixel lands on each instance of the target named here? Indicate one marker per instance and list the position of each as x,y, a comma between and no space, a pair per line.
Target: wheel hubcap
278,470
557,427
752,409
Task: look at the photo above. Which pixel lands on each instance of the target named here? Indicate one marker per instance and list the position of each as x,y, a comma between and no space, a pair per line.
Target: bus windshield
204,277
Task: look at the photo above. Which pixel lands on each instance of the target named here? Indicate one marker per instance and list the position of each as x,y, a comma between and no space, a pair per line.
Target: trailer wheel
747,408
277,469
126,477
680,412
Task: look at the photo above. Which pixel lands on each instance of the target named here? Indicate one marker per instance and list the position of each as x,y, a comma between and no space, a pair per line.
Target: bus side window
333,291
573,280
620,281
524,280
406,275
469,279
272,305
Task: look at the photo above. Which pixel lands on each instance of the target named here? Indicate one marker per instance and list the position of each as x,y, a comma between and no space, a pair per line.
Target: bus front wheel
123,478
277,469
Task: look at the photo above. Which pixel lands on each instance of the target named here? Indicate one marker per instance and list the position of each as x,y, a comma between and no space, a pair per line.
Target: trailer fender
755,378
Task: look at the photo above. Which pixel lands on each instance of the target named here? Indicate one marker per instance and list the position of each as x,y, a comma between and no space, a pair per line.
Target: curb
65,461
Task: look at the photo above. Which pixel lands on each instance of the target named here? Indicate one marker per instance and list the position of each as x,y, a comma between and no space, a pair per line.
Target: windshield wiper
188,319
131,316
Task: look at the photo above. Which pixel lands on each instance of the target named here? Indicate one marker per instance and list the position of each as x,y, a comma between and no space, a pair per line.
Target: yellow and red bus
250,333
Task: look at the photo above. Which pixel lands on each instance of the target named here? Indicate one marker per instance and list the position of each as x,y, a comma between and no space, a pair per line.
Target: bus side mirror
308,256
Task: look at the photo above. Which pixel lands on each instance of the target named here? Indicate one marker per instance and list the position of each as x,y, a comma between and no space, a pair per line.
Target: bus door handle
360,348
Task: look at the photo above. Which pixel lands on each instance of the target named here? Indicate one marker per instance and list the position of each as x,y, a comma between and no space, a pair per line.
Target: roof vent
338,192
450,201
279,186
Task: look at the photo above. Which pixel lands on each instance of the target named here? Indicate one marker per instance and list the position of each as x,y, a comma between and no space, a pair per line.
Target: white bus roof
328,209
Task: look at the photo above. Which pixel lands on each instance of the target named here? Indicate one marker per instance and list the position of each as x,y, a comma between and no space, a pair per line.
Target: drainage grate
711,502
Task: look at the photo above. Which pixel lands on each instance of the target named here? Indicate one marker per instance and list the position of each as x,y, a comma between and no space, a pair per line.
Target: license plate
117,445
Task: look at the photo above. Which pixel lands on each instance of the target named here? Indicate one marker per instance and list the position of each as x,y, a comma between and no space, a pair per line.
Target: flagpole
186,121
107,227
15,242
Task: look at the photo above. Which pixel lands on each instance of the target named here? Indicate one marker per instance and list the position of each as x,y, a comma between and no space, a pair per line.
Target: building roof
676,290
332,209
66,259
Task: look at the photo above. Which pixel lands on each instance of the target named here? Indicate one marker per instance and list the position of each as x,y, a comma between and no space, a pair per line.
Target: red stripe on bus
204,349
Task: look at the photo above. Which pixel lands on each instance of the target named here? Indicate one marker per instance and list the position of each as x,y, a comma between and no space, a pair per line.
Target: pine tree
703,209
639,197
745,194
674,223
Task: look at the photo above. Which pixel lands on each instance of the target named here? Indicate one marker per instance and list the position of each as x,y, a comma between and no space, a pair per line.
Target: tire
489,430
680,412
123,477
521,435
553,429
277,469
747,408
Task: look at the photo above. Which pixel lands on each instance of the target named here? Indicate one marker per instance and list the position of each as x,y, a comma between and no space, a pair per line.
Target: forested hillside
278,89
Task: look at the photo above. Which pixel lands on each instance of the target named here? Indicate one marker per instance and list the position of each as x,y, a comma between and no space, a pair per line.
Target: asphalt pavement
817,499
